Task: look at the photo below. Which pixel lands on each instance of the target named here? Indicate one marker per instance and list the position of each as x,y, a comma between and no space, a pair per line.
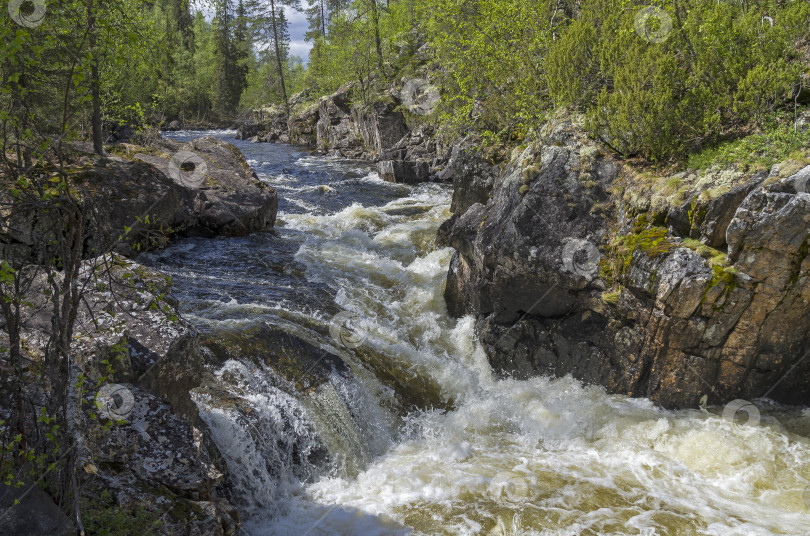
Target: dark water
478,455
212,277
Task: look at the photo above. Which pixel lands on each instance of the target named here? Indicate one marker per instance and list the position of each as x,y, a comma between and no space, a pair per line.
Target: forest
707,72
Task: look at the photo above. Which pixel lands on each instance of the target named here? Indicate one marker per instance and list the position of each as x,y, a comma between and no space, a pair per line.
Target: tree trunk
278,56
323,21
376,16
95,84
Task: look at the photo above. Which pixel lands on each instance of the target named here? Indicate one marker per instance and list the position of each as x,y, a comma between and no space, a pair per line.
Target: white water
544,456
536,457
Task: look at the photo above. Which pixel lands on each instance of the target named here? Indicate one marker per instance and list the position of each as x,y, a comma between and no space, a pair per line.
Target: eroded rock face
140,200
564,283
303,126
355,130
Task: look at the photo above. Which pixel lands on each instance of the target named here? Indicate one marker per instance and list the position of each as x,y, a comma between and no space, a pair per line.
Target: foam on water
491,456
542,456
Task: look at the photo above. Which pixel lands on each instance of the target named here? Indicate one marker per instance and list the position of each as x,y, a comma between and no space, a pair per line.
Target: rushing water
421,438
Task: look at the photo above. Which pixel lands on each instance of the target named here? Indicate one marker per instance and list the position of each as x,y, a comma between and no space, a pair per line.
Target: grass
714,256
756,151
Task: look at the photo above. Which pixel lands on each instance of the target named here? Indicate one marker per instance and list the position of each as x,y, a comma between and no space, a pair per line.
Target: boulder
138,452
33,514
403,171
139,200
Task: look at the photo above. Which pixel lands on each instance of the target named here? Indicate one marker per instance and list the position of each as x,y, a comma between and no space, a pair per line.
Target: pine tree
316,17
272,27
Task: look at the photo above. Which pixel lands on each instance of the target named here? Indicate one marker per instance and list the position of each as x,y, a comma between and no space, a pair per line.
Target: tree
316,20
271,26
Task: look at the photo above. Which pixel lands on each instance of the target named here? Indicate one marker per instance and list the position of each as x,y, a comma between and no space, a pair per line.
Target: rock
174,126
227,199
187,368
303,126
403,171
473,178
35,513
246,132
335,131
534,259
140,202
720,212
380,125
358,131
151,458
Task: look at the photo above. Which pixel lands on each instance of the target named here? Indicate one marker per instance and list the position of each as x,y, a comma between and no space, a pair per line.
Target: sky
298,27
296,20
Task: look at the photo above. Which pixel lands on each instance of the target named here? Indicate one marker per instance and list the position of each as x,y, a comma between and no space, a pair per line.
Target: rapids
422,438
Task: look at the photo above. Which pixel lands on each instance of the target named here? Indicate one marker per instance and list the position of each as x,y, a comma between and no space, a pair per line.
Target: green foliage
103,517
716,68
719,67
492,58
758,151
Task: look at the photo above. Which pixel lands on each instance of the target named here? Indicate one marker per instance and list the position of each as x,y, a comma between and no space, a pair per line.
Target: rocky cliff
345,126
670,288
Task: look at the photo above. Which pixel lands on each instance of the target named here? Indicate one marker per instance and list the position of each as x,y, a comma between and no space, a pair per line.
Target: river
421,437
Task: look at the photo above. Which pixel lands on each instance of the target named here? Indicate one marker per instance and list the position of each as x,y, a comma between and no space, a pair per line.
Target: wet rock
137,450
187,368
403,171
559,288
140,200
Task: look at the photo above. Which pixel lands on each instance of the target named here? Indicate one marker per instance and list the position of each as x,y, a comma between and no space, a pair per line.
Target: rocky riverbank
672,288
381,130
146,458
